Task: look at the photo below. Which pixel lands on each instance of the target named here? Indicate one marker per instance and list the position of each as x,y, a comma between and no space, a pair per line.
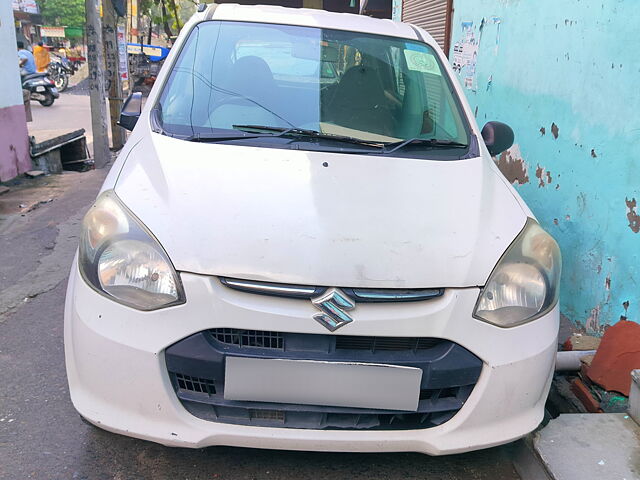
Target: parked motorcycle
145,62
60,69
41,88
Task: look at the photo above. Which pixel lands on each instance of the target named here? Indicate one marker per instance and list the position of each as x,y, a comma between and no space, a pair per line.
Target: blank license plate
40,89
338,384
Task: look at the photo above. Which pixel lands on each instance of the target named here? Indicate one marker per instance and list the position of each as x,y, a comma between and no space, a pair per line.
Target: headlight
524,284
121,259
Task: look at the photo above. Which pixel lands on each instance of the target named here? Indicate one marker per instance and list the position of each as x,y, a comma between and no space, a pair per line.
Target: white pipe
570,361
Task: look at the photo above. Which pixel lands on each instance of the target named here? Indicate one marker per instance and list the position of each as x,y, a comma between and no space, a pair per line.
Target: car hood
321,219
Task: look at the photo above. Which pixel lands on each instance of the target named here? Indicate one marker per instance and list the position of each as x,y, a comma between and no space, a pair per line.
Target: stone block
590,447
50,162
634,396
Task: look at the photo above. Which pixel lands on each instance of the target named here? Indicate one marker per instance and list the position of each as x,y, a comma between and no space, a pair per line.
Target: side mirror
497,136
131,111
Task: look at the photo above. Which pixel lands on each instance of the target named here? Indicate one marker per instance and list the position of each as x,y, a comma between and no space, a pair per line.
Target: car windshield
233,77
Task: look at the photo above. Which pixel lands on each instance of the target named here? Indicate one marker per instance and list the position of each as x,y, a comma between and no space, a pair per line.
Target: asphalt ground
41,435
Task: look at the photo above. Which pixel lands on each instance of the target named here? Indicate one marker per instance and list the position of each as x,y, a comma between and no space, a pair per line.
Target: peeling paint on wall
554,130
539,173
632,216
513,166
544,176
593,321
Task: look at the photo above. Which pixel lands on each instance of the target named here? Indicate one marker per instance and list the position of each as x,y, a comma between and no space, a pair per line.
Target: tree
168,13
62,13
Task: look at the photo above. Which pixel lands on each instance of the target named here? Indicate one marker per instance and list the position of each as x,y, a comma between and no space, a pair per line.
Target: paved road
41,436
69,112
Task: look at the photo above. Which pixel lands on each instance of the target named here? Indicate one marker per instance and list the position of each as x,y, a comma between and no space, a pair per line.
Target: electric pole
112,74
95,60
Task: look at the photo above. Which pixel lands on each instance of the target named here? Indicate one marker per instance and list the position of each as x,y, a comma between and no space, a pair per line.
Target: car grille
196,367
394,344
248,338
360,295
276,340
194,384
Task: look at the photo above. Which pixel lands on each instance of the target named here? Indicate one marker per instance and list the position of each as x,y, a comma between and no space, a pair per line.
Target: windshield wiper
218,137
424,142
209,137
253,132
301,132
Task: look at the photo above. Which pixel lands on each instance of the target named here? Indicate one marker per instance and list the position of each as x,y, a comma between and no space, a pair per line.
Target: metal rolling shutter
430,15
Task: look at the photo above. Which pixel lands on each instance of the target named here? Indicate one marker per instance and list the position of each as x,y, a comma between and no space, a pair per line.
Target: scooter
60,69
41,88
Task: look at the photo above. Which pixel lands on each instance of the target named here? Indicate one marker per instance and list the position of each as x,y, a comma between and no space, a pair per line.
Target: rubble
583,394
600,389
582,342
616,357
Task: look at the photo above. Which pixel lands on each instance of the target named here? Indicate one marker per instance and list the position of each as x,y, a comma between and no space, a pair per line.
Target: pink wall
14,142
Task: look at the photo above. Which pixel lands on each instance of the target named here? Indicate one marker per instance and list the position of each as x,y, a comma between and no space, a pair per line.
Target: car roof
308,17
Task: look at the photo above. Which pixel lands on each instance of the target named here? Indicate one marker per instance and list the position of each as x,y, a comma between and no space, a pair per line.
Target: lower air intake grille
278,340
248,338
269,415
194,384
385,343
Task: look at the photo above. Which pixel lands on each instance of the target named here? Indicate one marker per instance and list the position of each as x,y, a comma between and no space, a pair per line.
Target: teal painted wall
396,10
565,75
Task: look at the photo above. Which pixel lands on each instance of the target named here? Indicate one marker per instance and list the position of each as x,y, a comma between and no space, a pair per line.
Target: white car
306,245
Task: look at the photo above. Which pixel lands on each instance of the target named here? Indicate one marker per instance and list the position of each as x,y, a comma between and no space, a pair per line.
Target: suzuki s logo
334,305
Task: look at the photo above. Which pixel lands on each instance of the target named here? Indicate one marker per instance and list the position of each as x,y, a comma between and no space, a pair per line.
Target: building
562,74
432,15
14,140
374,8
28,20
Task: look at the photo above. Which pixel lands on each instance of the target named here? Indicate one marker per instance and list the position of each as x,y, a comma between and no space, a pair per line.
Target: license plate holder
309,382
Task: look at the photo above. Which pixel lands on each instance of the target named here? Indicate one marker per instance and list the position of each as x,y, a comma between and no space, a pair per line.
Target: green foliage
62,13
170,14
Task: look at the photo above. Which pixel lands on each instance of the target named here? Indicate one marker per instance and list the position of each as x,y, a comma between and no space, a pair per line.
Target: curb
526,461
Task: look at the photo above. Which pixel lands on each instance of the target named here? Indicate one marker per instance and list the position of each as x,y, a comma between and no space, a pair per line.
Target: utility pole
112,74
95,60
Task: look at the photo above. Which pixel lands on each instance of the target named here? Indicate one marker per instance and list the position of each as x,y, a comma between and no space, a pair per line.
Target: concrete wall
14,142
565,76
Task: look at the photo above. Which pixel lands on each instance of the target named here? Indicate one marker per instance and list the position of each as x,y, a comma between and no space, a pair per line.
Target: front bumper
118,377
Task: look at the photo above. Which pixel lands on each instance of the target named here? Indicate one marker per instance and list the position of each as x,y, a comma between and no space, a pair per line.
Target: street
41,435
